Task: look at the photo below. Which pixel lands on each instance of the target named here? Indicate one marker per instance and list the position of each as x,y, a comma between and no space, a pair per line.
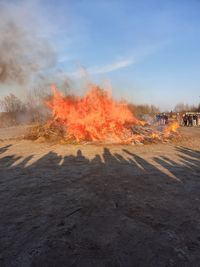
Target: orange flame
171,128
94,117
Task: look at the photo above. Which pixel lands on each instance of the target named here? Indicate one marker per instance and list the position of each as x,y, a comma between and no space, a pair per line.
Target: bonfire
96,118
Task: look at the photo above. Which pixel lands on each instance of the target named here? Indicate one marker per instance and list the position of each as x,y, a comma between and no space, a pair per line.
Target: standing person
158,119
198,120
194,120
166,119
163,119
185,120
190,120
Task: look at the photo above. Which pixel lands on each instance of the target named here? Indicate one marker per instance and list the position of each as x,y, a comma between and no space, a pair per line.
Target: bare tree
11,104
12,110
181,107
140,110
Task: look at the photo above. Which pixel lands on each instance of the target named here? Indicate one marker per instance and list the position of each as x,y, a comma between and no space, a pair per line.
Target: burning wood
96,117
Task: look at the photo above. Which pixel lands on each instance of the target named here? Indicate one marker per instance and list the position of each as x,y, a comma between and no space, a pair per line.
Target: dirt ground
89,205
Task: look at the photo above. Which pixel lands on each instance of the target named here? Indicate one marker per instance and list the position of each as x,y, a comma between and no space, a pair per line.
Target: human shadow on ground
4,148
116,209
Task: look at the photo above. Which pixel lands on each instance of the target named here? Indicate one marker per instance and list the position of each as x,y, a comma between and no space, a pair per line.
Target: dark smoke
23,52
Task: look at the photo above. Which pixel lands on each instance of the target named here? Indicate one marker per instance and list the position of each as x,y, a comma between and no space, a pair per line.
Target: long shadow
112,210
188,167
4,148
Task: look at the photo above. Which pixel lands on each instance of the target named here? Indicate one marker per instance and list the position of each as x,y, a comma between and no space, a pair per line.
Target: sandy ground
71,205
13,132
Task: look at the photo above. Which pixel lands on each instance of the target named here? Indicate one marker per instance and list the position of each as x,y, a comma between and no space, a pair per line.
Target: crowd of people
162,119
190,120
187,119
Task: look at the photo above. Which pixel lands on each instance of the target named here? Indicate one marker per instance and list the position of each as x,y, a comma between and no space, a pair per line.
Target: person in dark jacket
190,120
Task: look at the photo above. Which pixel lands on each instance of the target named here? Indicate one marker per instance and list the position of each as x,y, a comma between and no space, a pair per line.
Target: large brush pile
54,131
157,134
49,131
96,118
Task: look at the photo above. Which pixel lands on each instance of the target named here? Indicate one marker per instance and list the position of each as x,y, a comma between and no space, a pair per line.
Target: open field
112,205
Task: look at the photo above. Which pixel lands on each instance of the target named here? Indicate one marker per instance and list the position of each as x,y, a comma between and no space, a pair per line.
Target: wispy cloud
83,71
135,57
111,67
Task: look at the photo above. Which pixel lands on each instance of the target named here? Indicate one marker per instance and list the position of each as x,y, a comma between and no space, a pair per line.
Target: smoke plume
23,51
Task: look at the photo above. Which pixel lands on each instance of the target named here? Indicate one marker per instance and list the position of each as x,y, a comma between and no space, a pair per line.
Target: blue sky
149,50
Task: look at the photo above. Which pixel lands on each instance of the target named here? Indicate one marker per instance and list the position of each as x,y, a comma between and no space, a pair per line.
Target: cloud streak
111,67
83,71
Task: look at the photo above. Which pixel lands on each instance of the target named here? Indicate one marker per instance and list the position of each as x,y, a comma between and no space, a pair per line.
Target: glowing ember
154,135
94,117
